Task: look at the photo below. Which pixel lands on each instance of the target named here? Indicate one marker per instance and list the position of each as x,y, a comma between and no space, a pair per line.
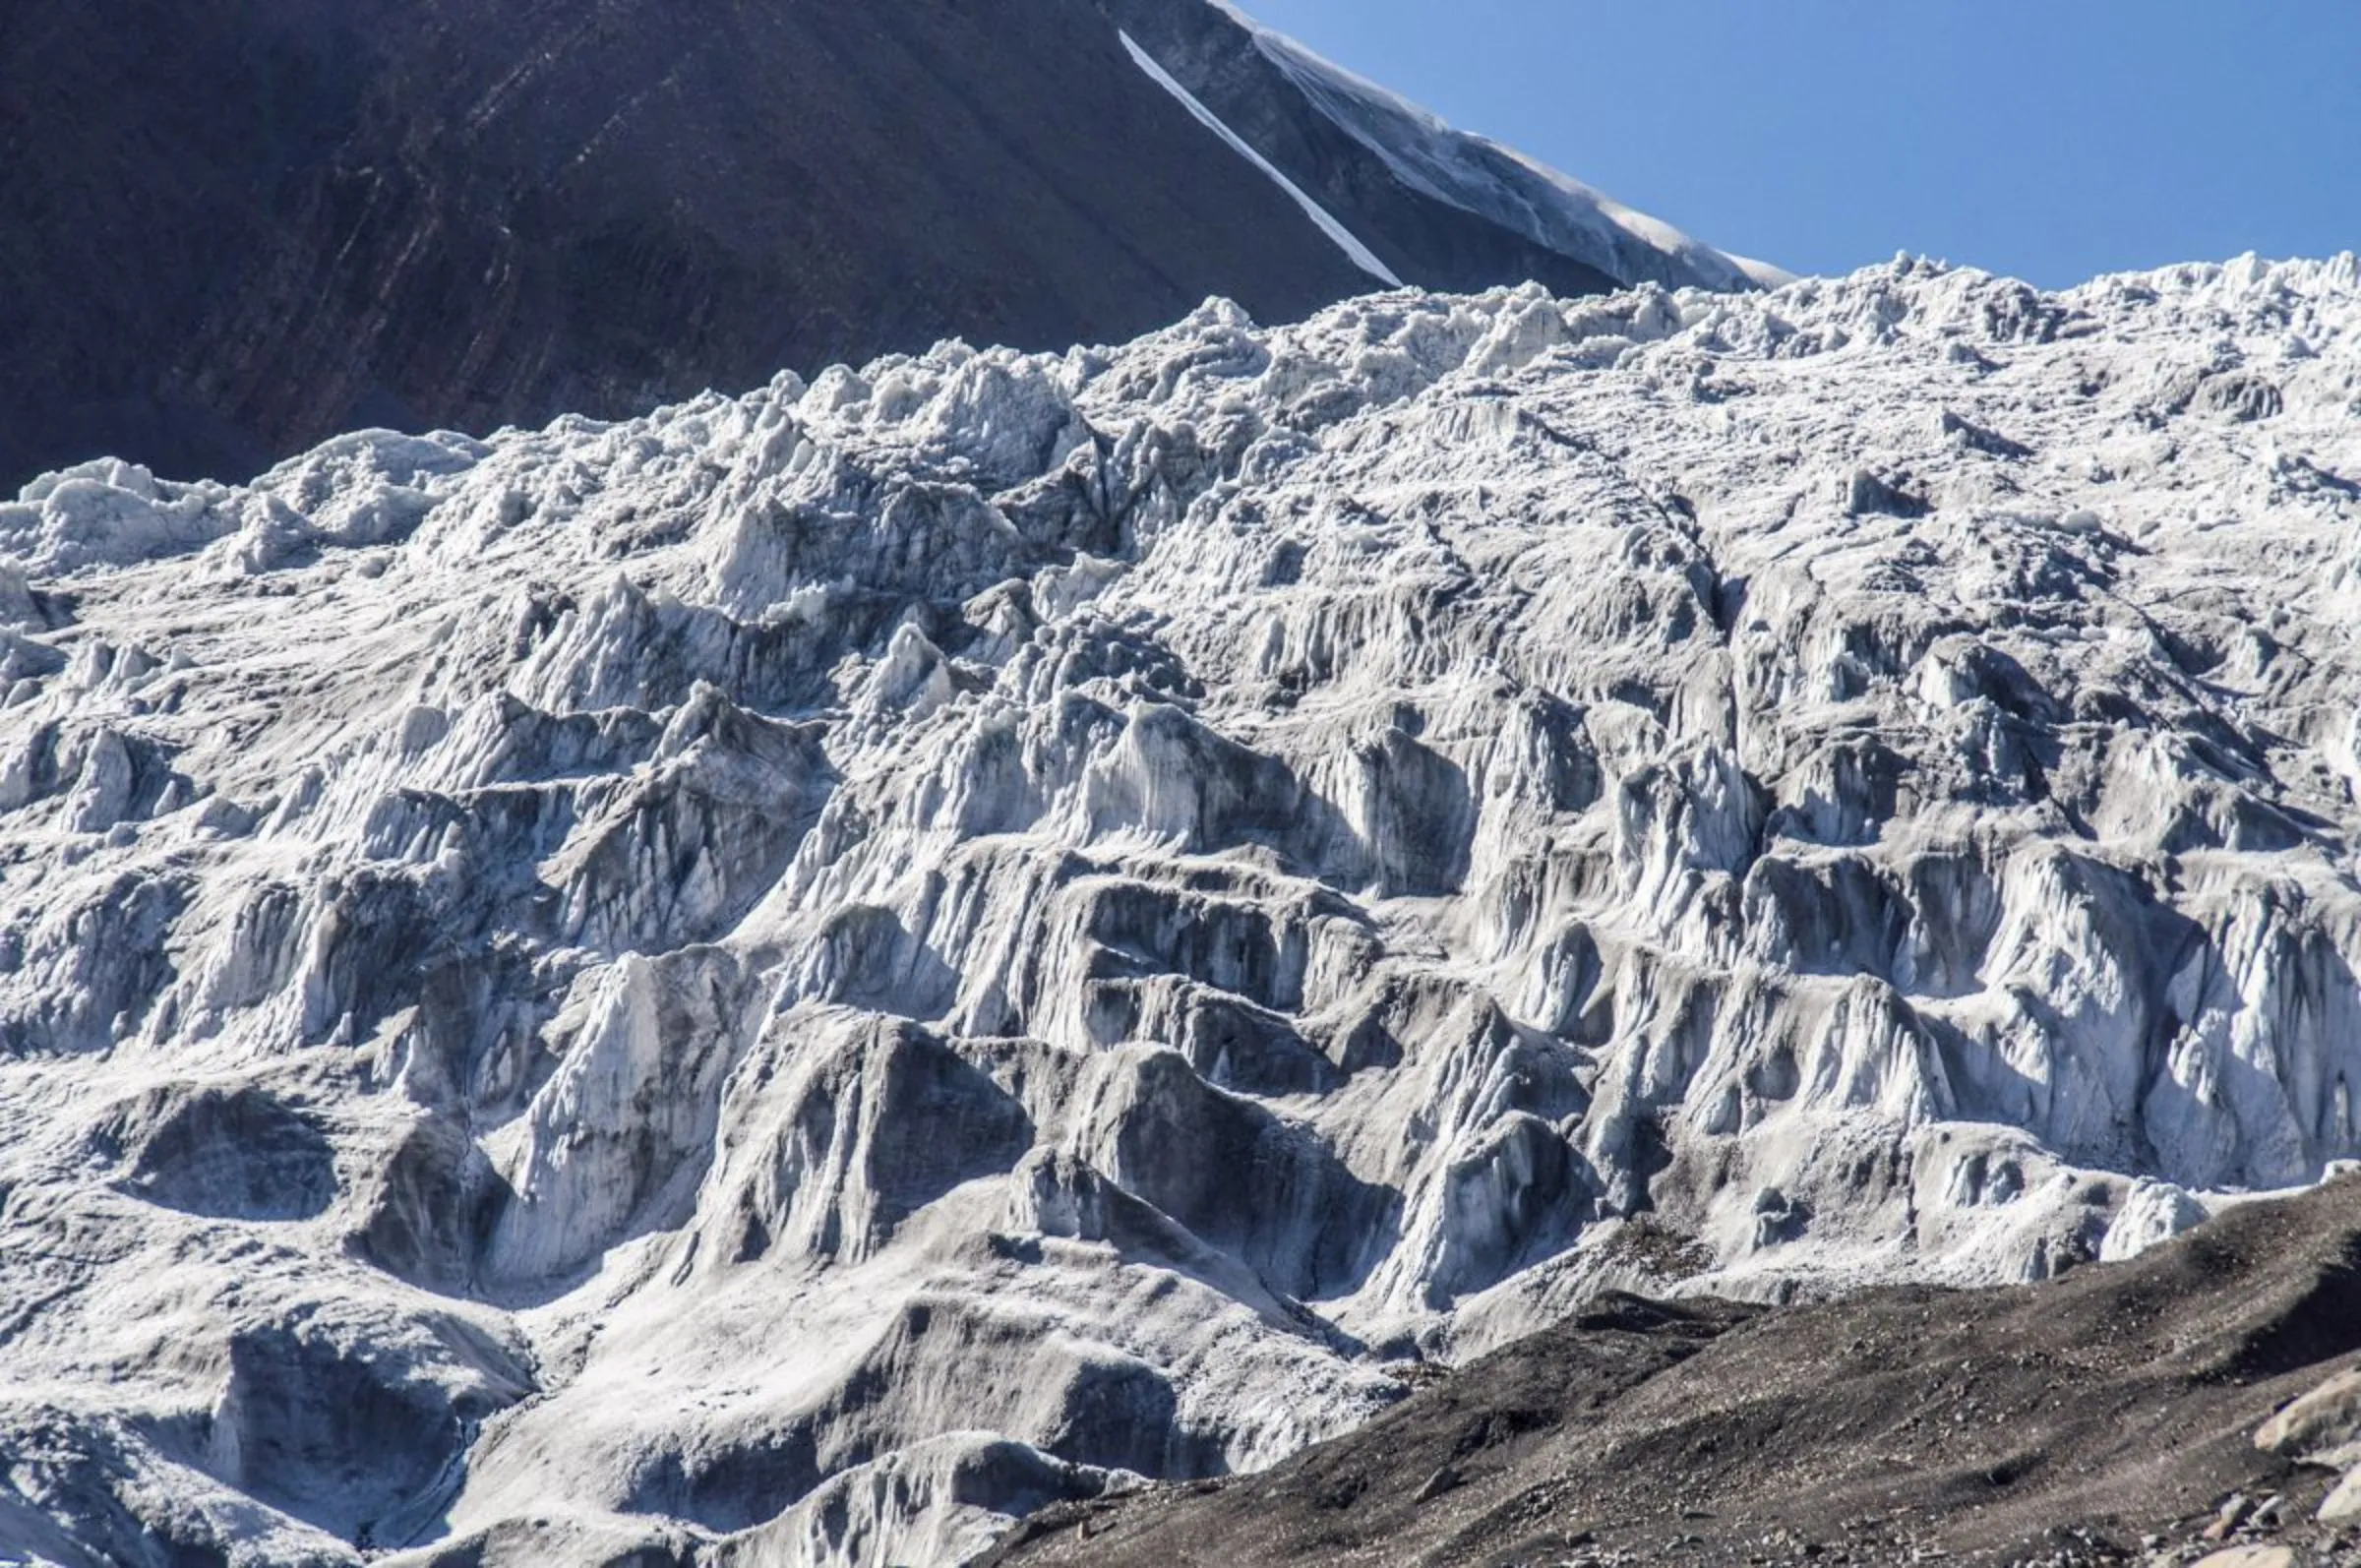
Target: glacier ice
788,980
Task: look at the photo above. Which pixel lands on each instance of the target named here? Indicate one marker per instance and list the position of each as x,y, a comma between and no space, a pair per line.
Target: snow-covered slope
787,980
1438,206
1478,175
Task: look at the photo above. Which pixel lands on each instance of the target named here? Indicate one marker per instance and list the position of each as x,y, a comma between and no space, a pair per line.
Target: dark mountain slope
2053,1423
1421,237
230,228
1441,208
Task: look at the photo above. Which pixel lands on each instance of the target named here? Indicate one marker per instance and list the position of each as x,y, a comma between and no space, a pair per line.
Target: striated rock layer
790,980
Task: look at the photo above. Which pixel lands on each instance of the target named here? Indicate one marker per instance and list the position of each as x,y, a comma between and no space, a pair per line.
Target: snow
1765,274
1357,253
1480,175
797,977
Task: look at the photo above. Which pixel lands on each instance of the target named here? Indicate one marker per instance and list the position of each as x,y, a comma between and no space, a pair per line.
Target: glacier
788,981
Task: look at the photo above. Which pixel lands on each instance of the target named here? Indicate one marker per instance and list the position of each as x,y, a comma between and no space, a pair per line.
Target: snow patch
1357,253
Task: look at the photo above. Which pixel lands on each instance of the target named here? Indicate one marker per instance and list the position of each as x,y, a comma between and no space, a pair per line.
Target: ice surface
790,979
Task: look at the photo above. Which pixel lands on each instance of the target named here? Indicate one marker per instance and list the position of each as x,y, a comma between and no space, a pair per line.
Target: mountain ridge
424,215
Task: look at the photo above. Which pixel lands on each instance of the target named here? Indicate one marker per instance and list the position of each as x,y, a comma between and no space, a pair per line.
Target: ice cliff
788,980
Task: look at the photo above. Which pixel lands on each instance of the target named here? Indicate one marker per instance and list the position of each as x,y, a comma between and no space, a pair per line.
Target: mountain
232,229
1394,172
799,976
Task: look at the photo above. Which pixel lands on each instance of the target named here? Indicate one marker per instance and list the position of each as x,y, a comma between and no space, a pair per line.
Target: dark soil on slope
2102,1418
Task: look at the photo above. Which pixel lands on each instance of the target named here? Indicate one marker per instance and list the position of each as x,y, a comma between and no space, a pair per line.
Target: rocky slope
229,230
2109,1418
793,978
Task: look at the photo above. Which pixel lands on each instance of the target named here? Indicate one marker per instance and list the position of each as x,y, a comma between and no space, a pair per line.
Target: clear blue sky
2049,139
